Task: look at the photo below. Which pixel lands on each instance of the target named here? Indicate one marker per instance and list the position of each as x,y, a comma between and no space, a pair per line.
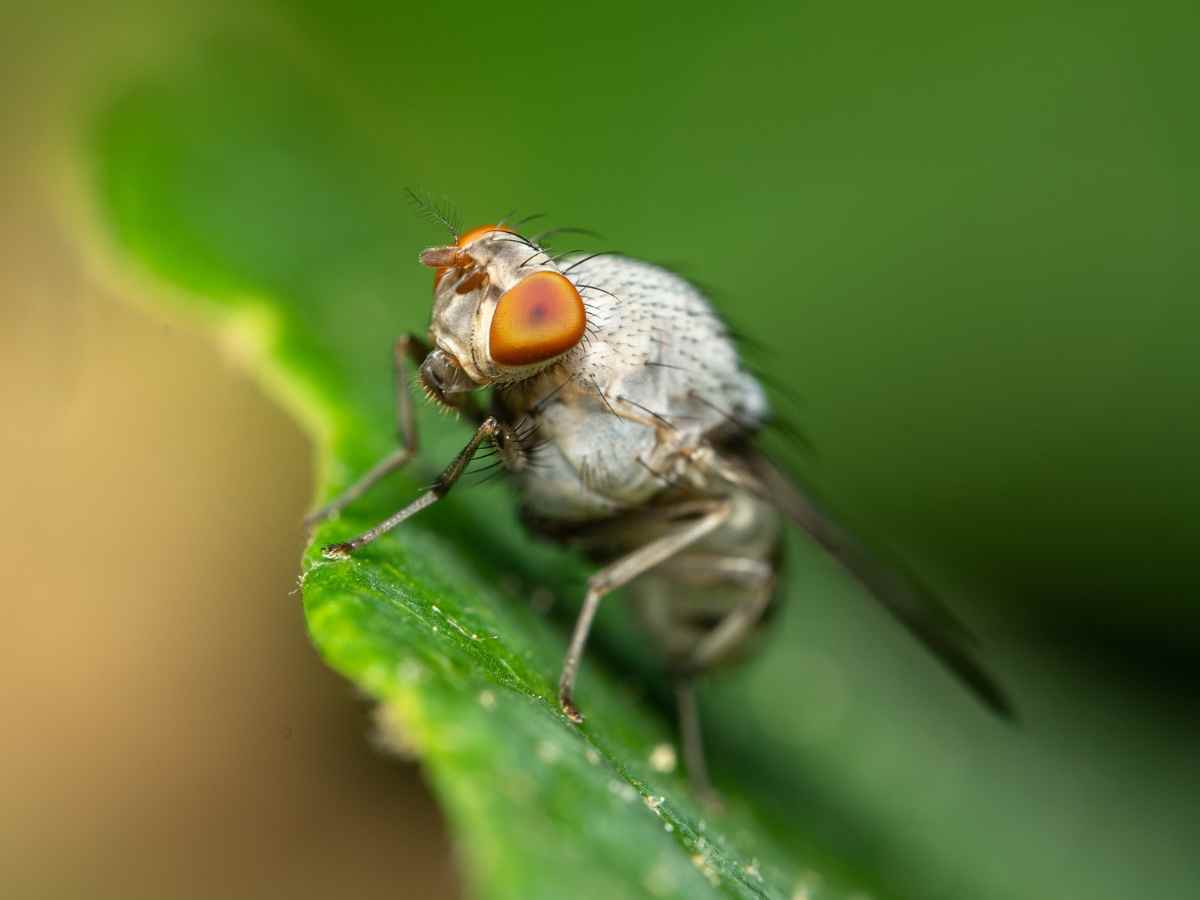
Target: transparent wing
891,583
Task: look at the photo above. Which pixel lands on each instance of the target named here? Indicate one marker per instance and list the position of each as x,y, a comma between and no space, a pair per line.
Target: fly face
502,311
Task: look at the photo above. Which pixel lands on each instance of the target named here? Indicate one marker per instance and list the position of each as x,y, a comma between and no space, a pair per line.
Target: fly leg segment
758,578
408,347
489,430
692,740
619,573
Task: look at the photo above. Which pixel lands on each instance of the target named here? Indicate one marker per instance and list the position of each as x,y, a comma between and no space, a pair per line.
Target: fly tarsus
489,429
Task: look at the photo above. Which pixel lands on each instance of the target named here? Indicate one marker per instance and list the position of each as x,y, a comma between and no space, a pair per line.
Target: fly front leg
620,573
409,348
489,430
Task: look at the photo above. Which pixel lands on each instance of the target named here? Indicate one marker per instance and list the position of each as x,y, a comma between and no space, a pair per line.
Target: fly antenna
438,212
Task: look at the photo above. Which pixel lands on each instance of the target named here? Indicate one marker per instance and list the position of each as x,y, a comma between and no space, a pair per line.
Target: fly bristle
596,385
437,402
544,236
589,258
527,219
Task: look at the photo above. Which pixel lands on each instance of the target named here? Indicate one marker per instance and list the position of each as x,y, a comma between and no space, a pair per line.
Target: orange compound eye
539,318
466,238
476,233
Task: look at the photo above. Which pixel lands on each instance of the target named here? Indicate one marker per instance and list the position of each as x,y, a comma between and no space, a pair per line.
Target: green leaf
248,189
952,203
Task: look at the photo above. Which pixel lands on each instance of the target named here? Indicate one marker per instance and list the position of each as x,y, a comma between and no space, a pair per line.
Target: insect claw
570,710
337,551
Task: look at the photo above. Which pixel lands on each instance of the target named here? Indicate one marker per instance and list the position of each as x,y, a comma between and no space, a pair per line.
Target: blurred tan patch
168,730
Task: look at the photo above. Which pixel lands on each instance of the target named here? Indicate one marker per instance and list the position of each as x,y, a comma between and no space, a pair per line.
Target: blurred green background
966,237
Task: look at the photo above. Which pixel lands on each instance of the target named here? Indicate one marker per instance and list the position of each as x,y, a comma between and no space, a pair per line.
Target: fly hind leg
621,572
730,633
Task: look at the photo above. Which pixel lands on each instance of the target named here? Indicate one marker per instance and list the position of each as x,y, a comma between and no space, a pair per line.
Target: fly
625,417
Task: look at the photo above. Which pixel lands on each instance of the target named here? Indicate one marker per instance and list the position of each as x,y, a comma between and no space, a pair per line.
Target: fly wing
892,584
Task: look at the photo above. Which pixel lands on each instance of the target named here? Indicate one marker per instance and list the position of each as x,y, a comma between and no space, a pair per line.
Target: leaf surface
247,190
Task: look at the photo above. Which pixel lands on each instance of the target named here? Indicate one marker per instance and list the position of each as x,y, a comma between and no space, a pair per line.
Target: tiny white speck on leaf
701,862
662,758
487,700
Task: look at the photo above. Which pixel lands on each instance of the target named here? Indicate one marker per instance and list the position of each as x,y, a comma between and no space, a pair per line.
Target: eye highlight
536,320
